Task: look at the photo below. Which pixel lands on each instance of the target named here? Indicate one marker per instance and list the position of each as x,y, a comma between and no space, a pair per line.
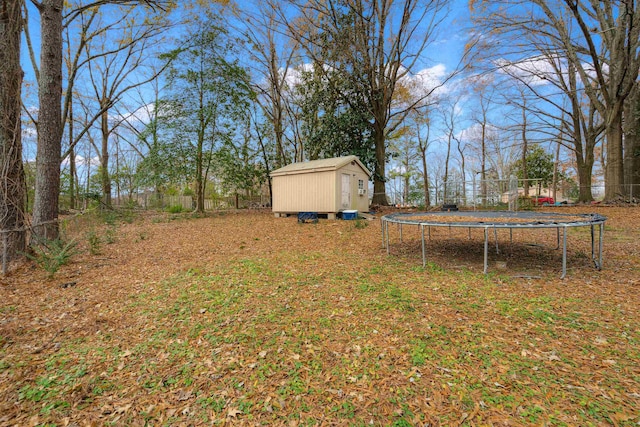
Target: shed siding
316,186
307,192
358,202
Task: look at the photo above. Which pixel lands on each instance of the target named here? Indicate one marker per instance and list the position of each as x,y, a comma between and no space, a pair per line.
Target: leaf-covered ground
246,319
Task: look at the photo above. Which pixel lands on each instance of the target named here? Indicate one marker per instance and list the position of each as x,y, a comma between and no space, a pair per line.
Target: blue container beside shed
350,214
308,217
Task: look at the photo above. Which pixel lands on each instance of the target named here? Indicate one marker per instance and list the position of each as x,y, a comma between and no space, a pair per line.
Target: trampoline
494,220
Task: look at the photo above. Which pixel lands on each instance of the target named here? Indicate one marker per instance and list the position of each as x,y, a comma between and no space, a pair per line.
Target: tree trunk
586,193
632,144
425,178
585,169
463,173
277,126
483,165
199,171
72,163
633,147
614,171
525,143
104,157
445,178
45,206
12,180
632,166
117,180
554,187
379,176
585,156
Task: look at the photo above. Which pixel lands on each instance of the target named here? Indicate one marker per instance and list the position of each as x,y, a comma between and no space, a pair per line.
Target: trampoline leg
564,252
469,233
424,255
486,250
558,238
495,237
600,244
387,230
382,224
400,231
593,246
511,235
429,230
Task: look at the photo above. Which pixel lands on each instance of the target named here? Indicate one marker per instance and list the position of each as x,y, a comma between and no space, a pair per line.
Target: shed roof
333,163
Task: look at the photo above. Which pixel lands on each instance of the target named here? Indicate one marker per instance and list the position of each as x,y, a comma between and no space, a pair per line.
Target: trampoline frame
537,220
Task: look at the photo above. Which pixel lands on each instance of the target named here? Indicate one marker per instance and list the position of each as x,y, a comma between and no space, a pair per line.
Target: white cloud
294,75
535,71
474,132
426,80
142,115
83,161
430,78
543,70
29,132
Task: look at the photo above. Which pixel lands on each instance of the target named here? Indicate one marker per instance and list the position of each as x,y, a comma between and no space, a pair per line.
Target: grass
211,318
290,336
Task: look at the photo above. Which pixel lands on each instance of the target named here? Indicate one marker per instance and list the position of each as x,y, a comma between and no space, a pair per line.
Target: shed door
346,191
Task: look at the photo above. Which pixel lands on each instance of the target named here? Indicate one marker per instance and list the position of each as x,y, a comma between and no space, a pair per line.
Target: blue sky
447,48
443,54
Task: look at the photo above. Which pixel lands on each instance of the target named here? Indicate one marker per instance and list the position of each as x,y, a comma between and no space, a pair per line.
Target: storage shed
326,186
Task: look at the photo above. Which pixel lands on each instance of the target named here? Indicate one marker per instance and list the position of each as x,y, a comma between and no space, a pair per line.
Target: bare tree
450,112
50,119
599,39
374,44
141,132
632,143
422,123
403,144
272,57
524,127
45,206
111,77
12,181
563,113
482,91
611,73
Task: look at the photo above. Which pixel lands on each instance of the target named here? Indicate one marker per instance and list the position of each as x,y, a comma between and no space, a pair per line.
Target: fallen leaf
184,395
123,409
233,412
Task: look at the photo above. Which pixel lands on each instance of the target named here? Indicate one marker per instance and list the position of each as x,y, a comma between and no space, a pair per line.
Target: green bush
525,203
110,235
361,223
94,242
174,209
53,254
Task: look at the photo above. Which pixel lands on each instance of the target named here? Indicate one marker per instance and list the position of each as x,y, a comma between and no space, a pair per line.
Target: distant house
326,186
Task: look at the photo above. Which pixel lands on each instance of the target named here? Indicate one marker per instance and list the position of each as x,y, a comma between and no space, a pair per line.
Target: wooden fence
154,201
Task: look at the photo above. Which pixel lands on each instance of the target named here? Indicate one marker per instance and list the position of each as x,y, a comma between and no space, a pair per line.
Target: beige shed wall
305,192
358,202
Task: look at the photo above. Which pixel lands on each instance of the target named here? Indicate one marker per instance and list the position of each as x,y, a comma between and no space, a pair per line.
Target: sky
449,46
441,57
